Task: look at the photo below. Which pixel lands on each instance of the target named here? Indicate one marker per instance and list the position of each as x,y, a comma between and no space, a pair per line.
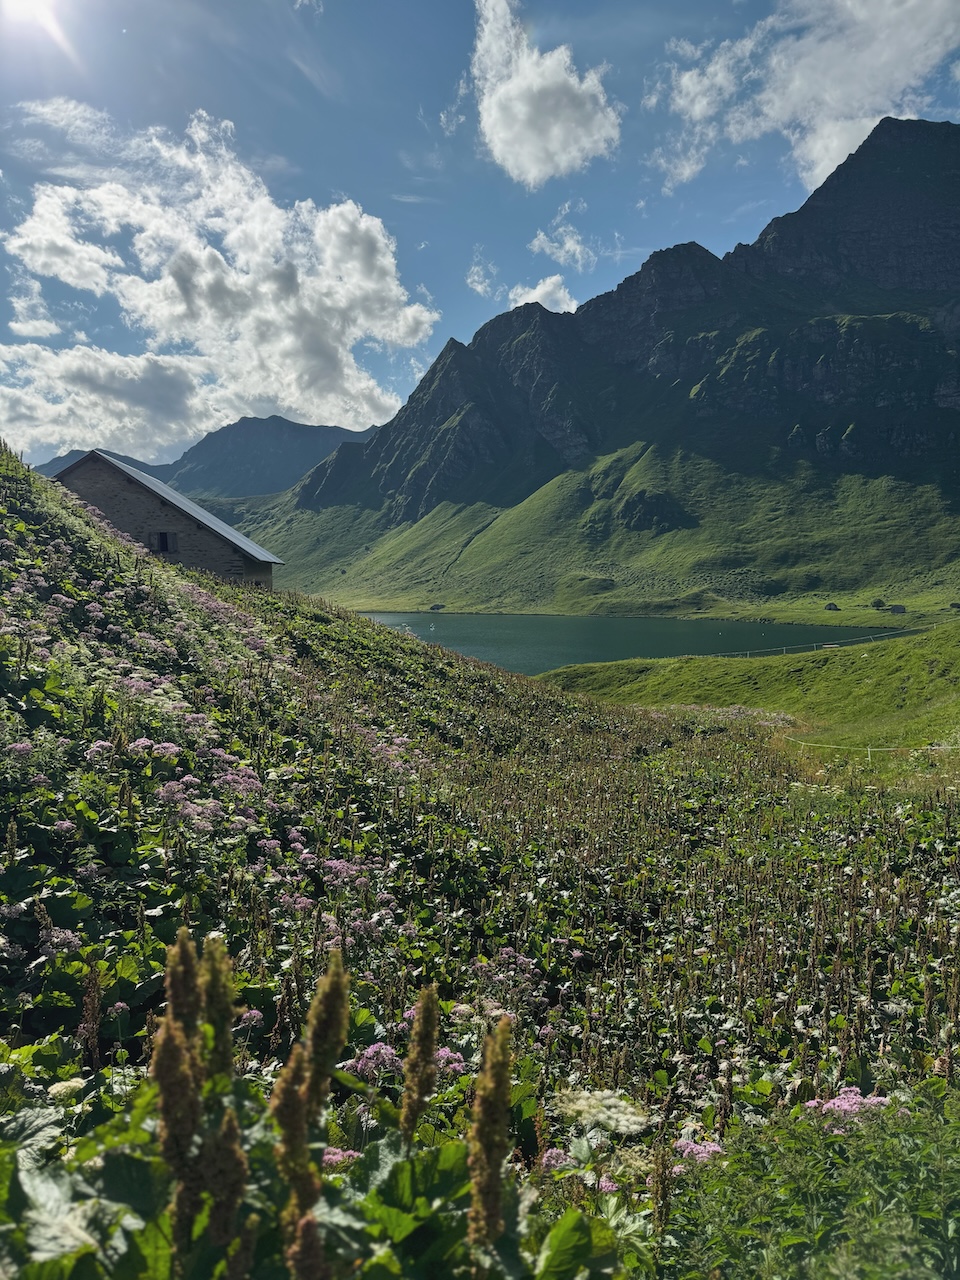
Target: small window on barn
162,542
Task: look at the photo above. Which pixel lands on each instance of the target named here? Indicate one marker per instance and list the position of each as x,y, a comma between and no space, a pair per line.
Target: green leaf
382,1265
373,1169
566,1249
37,1130
149,1256
398,1225
141,1182
434,1176
352,1084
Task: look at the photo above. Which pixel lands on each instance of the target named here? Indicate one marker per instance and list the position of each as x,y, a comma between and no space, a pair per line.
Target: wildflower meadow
327,953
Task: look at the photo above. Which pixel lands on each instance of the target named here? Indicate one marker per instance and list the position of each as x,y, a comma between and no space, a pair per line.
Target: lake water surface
531,643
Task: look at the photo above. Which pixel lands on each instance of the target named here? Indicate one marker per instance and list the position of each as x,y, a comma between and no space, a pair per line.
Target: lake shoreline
533,643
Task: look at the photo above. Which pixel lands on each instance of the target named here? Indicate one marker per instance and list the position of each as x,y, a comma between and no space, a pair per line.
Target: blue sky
210,209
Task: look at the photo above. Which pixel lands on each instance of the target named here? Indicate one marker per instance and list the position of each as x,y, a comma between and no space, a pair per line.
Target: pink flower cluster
555,1158
848,1102
698,1151
334,1156
374,1060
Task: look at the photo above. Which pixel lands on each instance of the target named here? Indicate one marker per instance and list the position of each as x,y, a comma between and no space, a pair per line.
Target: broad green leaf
566,1249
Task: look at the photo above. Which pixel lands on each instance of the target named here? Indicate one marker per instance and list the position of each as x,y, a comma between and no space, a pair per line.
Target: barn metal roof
191,509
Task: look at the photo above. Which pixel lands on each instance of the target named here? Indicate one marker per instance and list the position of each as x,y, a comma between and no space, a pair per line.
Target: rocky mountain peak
631,317
889,215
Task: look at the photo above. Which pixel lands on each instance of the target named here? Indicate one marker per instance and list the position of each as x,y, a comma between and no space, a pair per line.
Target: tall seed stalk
489,1140
420,1064
297,1102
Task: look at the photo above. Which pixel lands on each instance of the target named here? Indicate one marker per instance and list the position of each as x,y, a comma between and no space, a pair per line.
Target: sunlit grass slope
897,692
780,542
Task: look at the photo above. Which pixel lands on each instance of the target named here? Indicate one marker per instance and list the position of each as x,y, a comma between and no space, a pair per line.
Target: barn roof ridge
192,509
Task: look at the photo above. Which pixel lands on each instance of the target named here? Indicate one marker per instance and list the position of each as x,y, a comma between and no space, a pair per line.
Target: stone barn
166,522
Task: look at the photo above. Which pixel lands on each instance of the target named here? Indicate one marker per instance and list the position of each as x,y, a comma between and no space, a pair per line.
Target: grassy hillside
779,539
897,692
681,934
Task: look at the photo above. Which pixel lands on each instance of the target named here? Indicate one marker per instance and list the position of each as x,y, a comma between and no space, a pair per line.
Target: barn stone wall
140,513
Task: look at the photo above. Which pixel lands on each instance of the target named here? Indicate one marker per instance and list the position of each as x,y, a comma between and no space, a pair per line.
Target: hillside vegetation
691,1008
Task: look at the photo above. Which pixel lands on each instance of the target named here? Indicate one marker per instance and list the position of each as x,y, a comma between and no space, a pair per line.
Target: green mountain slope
762,432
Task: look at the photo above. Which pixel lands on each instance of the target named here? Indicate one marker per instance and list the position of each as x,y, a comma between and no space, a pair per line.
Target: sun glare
27,10
35,13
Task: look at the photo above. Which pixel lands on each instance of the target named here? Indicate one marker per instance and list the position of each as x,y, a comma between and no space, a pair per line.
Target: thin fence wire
832,746
871,750
813,647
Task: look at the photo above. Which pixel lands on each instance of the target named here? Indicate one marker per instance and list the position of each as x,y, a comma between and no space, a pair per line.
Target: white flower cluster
601,1109
64,1091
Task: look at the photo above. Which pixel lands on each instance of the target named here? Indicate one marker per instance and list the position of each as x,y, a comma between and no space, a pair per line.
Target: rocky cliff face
489,421
841,310
890,215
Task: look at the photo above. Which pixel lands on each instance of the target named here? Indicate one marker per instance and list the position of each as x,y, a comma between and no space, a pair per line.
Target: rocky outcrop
491,420
628,323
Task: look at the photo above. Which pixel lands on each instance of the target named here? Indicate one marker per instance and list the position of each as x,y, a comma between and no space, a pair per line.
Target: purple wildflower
378,1058
450,1063
333,1156
698,1151
55,939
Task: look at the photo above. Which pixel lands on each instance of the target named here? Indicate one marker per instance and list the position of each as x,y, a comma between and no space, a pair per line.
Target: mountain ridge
246,457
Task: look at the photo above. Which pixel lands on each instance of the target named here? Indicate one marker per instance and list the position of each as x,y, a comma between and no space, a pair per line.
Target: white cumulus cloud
550,292
539,117
238,305
821,73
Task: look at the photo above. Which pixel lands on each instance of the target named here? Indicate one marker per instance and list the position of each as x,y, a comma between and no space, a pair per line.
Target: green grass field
900,692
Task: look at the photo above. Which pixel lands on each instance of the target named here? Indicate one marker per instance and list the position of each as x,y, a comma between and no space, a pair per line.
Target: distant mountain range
747,429
252,456
776,426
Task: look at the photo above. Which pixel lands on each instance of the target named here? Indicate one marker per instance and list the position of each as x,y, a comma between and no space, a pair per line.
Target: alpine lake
533,643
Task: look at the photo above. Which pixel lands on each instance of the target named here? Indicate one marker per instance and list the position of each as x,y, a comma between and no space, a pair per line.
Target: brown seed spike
216,982
241,1252
328,1023
420,1066
489,1139
287,1106
306,1259
172,1068
184,998
224,1168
